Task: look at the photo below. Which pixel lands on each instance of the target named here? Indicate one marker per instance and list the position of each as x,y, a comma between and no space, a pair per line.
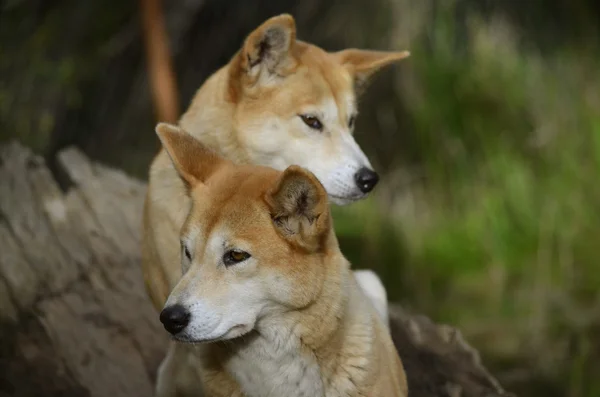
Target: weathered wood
70,273
437,359
76,320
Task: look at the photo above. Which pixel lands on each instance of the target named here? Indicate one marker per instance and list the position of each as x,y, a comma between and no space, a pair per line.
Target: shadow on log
75,317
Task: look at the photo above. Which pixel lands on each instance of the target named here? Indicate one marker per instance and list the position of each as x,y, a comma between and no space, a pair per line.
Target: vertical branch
158,61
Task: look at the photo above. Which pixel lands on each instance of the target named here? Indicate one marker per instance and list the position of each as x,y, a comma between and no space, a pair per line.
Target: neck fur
304,352
214,122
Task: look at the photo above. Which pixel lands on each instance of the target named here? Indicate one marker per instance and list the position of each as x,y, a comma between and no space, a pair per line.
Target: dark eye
312,121
351,121
232,257
186,252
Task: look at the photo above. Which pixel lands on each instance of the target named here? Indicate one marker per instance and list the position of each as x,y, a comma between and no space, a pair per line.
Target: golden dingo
278,102
266,293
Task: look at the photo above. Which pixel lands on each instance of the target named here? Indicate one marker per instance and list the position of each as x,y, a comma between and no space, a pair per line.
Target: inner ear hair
298,204
270,43
273,43
295,196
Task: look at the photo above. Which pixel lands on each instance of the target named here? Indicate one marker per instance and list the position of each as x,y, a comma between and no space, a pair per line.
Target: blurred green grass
500,235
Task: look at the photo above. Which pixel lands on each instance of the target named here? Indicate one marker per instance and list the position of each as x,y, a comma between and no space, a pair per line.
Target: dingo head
255,242
296,104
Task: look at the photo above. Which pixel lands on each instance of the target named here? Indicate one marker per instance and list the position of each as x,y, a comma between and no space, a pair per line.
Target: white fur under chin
372,286
342,201
274,365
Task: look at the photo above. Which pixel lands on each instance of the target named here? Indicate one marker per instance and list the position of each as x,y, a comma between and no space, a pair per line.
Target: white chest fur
275,367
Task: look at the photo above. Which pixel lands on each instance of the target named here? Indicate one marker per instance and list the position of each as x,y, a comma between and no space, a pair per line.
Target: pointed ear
266,50
362,64
194,162
299,208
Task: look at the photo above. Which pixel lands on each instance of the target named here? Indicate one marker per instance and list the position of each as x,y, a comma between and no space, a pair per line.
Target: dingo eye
351,121
312,121
235,256
186,252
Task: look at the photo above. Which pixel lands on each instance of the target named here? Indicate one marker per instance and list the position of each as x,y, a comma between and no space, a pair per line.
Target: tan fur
313,332
249,114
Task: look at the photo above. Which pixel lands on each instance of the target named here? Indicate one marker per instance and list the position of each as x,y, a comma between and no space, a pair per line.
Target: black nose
366,179
174,318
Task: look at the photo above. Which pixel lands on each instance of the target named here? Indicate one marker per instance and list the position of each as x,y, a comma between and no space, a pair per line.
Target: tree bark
74,314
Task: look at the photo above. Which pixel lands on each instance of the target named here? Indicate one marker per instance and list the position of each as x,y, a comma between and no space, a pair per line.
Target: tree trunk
75,317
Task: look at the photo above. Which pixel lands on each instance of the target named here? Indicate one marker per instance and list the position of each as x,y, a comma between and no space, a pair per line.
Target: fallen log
75,320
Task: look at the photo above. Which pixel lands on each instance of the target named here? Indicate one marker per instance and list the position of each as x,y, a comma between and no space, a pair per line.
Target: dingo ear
362,64
193,161
266,51
299,207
